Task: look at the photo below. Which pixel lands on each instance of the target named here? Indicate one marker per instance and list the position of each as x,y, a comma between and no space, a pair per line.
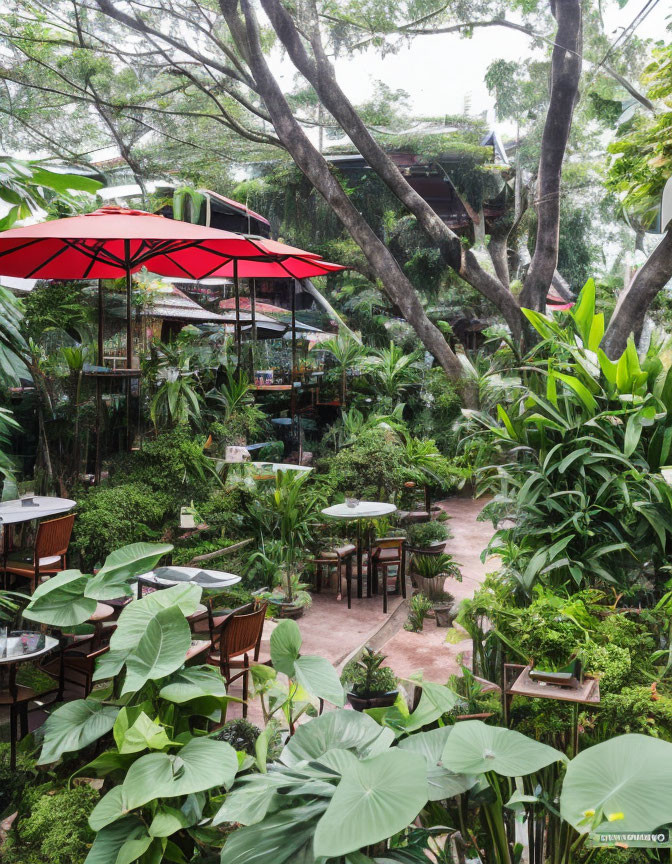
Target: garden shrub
226,510
372,468
173,463
12,782
54,828
113,516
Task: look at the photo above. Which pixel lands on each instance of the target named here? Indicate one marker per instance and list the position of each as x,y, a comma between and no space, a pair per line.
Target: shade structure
114,241
301,266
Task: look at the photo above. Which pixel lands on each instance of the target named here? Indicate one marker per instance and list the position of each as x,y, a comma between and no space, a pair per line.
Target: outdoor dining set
226,638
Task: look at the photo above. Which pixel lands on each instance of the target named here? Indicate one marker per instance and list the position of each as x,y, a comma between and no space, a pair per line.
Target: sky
439,71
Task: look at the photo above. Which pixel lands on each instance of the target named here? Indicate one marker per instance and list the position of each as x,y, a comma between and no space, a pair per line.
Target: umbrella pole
129,341
253,318
236,288
293,377
99,385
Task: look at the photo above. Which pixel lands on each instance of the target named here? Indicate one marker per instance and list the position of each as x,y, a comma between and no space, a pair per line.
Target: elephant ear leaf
625,782
375,798
475,748
75,725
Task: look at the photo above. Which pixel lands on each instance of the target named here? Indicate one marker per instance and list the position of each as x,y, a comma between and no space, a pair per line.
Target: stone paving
332,631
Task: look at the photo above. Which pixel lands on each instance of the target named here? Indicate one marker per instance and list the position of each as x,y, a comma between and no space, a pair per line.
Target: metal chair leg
383,570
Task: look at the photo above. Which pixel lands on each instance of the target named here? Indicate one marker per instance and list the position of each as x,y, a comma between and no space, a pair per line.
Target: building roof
175,304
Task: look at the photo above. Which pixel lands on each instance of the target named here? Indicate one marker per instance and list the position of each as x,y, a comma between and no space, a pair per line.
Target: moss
55,829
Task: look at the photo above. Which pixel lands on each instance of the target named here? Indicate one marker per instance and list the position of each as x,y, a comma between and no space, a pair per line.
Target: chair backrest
242,633
53,536
148,586
387,543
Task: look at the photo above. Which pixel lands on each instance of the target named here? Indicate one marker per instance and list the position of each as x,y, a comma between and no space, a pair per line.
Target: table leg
369,570
359,559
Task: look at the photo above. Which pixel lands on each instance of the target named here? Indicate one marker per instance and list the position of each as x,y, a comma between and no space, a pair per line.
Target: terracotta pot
383,700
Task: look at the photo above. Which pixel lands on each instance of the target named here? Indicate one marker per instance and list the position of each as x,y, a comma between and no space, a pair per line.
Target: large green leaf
75,725
285,646
376,798
107,810
284,837
161,650
201,764
434,701
474,748
442,782
134,560
249,802
193,683
135,617
626,782
143,734
341,729
319,678
60,601
111,839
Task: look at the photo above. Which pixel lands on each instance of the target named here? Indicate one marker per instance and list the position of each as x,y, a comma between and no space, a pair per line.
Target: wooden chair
389,552
238,637
77,663
49,554
341,557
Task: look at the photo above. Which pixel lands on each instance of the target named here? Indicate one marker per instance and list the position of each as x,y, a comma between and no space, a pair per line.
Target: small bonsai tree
366,676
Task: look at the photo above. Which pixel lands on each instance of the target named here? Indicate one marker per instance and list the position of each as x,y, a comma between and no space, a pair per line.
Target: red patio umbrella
115,242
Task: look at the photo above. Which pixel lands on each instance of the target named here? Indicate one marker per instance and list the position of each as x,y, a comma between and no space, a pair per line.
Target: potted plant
368,683
430,573
427,538
288,514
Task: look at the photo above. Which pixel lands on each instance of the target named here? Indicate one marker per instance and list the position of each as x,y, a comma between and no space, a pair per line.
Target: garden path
428,651
331,630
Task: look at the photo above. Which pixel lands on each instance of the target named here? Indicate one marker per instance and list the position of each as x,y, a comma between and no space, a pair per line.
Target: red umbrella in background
115,242
291,267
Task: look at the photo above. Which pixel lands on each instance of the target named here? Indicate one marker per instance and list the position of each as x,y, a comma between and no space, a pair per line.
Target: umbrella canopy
297,266
114,241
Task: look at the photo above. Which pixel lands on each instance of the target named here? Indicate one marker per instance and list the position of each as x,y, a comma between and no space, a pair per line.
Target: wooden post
236,288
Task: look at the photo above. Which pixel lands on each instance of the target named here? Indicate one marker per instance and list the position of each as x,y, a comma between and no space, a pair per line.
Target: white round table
217,579
360,511
35,507
26,646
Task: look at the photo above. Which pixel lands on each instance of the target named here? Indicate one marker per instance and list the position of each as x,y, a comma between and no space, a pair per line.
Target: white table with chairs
52,539
360,511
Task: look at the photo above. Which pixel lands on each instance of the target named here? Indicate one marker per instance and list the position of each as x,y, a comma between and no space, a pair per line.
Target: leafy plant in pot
427,538
369,684
430,573
287,514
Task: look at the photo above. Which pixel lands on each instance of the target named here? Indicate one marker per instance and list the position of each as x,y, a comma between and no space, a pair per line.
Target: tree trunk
634,301
308,159
565,75
319,72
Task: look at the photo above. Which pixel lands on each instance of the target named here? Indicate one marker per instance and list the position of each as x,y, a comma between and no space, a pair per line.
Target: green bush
226,510
423,534
55,828
12,782
173,464
371,468
113,516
